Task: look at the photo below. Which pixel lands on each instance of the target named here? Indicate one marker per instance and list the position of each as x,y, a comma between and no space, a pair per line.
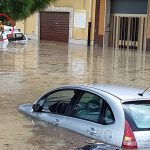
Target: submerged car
8,36
113,114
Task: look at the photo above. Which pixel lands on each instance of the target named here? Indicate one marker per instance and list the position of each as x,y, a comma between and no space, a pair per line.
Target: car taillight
9,35
129,140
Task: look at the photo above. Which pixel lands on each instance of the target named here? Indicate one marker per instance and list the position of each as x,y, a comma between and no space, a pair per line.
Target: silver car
113,114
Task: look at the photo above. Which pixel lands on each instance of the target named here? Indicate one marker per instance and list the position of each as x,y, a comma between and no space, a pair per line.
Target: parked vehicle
8,36
113,114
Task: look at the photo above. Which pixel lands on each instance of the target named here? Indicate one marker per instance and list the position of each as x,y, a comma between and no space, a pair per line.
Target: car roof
8,29
124,93
9,32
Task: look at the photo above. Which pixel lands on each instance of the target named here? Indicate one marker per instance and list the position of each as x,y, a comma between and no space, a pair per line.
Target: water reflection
27,71
3,45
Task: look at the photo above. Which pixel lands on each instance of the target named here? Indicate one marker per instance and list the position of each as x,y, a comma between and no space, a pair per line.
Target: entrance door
85,116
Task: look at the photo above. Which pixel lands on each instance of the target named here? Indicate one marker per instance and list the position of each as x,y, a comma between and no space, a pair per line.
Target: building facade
114,23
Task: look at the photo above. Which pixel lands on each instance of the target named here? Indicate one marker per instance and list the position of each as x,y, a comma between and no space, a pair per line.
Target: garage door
54,26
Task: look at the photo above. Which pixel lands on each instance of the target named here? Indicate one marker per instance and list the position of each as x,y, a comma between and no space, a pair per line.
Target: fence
128,31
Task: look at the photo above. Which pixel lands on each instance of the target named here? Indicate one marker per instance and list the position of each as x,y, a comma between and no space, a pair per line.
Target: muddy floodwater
29,70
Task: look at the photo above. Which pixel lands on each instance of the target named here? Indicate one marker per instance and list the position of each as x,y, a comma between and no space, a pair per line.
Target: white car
8,36
116,115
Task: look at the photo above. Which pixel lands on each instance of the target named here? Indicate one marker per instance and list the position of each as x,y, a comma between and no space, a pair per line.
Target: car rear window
138,114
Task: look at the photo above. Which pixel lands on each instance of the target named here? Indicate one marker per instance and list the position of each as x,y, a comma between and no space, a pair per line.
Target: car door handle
91,131
56,122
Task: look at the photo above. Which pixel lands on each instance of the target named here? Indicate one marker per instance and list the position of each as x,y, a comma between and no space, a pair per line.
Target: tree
21,9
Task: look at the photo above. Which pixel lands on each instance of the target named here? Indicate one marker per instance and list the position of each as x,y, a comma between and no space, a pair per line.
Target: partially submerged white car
116,115
10,35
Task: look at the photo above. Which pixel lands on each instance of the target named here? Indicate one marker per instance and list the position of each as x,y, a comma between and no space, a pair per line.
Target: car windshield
139,113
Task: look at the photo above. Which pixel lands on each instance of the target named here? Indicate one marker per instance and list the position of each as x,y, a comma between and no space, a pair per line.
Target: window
89,107
140,120
57,102
15,37
20,36
108,116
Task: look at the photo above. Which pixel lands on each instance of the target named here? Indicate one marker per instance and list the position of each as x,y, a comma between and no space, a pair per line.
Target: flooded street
29,70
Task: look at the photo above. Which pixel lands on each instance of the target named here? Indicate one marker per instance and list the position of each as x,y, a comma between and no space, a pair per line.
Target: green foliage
21,9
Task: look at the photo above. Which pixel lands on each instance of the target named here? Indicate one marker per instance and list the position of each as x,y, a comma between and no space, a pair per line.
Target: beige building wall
148,24
20,25
27,26
148,28
102,17
85,6
93,7
76,4
30,26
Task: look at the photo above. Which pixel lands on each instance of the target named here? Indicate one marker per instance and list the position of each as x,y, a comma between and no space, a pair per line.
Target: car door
108,126
85,115
53,106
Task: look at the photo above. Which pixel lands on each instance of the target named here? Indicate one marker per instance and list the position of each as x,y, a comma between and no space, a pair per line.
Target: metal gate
128,31
54,26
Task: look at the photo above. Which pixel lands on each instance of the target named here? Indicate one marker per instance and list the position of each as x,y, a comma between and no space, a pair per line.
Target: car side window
89,107
19,36
108,116
15,36
58,102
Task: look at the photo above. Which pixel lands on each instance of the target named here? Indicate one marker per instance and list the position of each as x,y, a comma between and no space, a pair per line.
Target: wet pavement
29,70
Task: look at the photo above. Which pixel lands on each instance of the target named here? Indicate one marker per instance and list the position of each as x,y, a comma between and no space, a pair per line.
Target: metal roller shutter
54,26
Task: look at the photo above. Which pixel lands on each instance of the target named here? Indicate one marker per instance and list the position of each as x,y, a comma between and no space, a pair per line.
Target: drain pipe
89,23
89,33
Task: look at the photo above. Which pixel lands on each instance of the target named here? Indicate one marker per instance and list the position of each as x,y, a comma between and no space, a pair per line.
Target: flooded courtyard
29,70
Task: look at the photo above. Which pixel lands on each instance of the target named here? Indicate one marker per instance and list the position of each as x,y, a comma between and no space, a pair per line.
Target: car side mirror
37,108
